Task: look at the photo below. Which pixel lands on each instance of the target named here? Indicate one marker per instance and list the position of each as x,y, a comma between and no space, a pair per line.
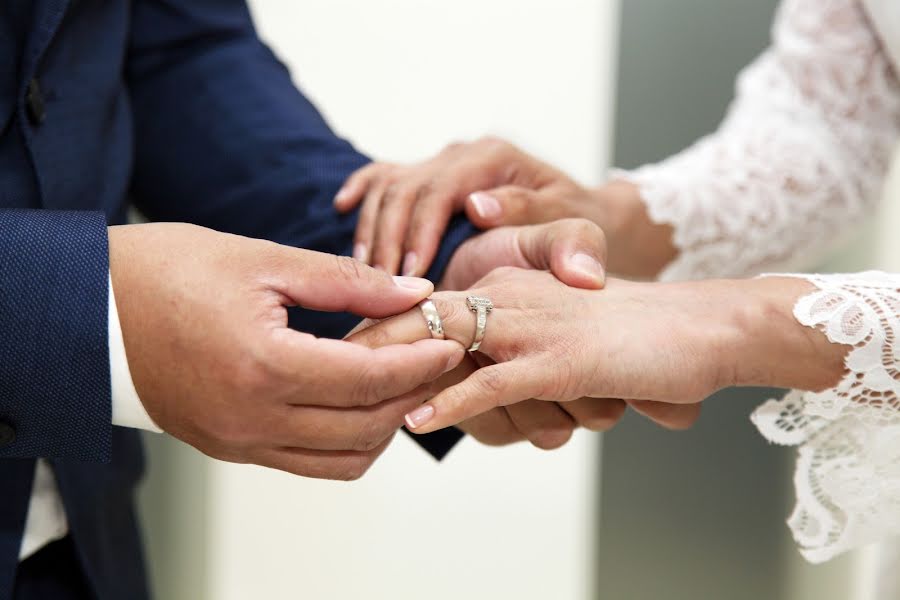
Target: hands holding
405,209
556,356
204,320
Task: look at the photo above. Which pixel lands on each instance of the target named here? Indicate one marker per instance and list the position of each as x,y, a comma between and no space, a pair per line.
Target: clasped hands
559,352
204,321
565,345
205,325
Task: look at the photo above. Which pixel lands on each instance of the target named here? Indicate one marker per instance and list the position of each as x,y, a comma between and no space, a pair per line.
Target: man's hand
204,320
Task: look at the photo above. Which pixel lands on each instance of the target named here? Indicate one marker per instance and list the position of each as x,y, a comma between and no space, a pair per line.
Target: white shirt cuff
127,409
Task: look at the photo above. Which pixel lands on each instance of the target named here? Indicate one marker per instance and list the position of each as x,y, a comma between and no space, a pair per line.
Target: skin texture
204,321
552,247
406,208
551,342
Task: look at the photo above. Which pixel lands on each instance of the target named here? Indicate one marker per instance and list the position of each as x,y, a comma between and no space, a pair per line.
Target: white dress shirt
46,521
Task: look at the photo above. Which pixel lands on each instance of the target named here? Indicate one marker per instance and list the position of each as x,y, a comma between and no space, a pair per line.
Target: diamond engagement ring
481,307
432,319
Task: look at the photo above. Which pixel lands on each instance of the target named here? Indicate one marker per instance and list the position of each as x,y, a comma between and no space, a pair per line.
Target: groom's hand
204,320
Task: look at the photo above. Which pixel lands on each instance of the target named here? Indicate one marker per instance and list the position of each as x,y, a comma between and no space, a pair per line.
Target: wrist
639,246
774,349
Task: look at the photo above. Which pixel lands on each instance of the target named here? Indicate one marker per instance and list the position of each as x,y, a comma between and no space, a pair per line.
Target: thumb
508,205
574,250
332,283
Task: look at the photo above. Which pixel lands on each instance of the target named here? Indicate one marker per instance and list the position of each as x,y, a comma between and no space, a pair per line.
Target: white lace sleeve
848,470
799,159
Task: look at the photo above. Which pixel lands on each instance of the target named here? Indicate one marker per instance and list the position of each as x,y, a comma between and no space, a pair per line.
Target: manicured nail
589,266
487,207
410,262
361,252
413,283
419,417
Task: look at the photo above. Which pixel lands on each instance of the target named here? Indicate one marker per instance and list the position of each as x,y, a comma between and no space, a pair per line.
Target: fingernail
487,207
419,417
413,283
342,194
410,262
588,265
360,252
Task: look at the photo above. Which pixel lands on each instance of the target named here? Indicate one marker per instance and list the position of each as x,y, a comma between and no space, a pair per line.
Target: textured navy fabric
179,107
54,359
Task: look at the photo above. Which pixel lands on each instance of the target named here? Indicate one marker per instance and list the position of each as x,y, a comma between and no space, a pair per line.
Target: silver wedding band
432,319
481,307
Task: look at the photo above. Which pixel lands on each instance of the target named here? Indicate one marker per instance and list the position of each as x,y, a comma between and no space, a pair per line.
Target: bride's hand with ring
664,347
574,250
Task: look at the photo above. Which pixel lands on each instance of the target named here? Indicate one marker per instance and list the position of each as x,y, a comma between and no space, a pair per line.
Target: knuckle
491,382
368,388
498,438
551,439
682,419
353,467
494,143
233,433
396,193
424,190
598,424
583,228
347,269
370,435
251,374
602,417
507,272
454,146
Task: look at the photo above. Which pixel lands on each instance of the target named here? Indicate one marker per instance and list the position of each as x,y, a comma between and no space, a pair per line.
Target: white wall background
401,78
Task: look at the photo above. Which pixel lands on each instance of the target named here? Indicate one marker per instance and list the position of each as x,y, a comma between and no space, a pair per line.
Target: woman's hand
670,343
405,209
574,250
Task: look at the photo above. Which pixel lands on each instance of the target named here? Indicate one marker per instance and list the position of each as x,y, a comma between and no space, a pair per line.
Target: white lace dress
798,161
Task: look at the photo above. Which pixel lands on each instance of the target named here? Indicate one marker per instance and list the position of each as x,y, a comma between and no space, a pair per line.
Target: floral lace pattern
848,470
799,159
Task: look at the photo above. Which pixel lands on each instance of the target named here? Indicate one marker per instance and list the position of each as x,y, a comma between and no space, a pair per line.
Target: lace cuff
799,159
847,476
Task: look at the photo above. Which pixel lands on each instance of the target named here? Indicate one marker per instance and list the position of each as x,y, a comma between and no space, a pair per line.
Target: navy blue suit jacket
178,107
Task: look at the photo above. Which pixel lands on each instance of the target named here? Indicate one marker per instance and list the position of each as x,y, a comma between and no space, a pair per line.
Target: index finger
488,388
340,374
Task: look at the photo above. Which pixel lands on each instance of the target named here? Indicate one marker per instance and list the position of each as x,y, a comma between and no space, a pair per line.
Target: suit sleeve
224,139
54,356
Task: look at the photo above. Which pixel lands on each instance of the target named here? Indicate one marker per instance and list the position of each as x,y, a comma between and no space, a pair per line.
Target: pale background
401,78
693,515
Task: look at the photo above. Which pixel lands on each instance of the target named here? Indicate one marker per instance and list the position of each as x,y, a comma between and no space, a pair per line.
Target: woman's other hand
405,209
